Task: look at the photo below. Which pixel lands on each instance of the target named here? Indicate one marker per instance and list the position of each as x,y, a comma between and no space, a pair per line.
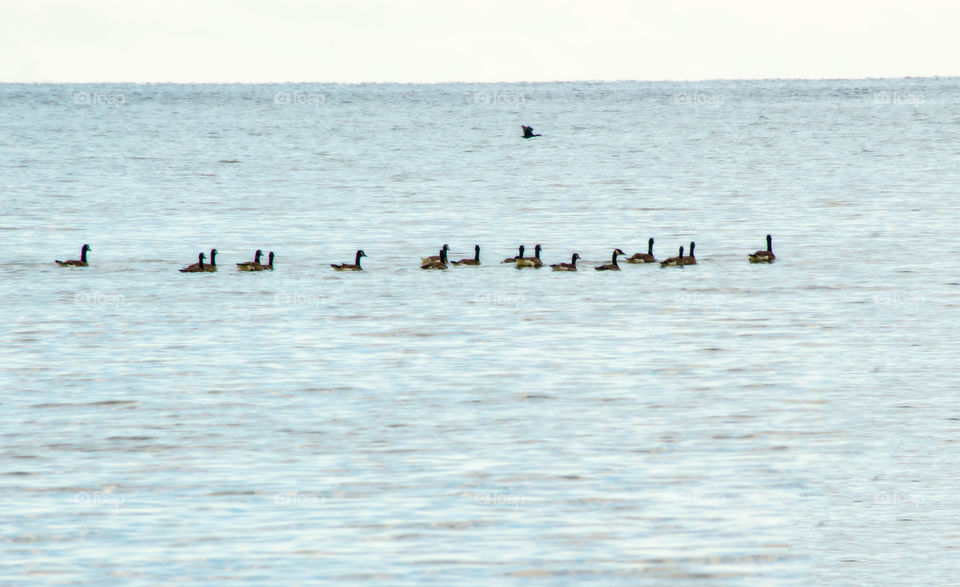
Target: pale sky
479,40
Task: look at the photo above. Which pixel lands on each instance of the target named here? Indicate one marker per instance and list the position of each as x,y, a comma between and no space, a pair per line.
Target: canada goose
198,267
644,257
673,261
212,266
81,262
533,261
474,261
440,263
690,259
528,132
248,265
425,260
571,266
764,256
613,264
262,267
514,259
348,267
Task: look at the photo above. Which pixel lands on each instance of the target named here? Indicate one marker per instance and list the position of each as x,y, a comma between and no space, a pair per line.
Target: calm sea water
724,423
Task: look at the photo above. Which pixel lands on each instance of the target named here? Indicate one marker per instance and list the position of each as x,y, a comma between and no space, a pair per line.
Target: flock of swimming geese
441,262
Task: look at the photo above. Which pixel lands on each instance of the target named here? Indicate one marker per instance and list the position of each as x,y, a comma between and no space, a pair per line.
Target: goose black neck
359,254
692,244
650,247
257,255
520,256
83,253
769,244
614,259
536,252
213,257
270,259
476,253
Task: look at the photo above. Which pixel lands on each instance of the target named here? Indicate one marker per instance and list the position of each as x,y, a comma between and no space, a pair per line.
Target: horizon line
427,83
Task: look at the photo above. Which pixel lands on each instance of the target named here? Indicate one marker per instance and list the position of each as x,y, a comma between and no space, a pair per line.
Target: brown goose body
249,265
262,267
612,266
211,267
81,262
474,261
198,267
673,261
764,256
440,263
571,266
533,261
644,257
348,267
514,259
424,260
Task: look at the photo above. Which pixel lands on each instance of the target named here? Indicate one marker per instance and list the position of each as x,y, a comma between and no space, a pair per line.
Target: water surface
723,423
